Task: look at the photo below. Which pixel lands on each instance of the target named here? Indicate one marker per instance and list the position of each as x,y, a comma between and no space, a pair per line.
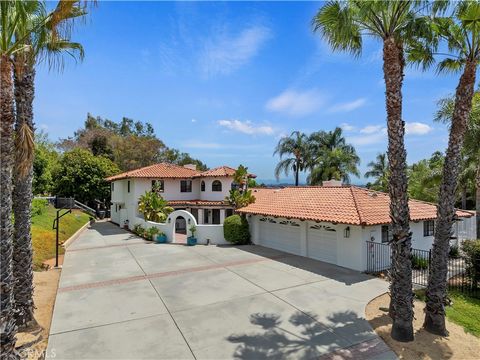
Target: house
333,223
194,194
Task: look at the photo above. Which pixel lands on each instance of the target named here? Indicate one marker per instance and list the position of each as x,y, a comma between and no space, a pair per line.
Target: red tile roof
162,170
166,170
196,203
338,204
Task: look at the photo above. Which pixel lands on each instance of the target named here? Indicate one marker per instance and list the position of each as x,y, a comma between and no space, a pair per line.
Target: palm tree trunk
296,173
7,118
401,306
477,200
437,281
22,200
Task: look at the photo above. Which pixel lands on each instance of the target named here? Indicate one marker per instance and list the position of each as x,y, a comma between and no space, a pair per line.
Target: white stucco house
197,196
333,223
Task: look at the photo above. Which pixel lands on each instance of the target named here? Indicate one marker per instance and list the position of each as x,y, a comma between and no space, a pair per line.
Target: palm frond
24,149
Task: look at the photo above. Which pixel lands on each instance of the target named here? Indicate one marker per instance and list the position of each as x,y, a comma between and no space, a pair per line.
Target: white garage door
283,237
322,244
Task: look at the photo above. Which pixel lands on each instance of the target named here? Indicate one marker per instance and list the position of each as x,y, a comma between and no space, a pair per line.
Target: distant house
333,223
199,193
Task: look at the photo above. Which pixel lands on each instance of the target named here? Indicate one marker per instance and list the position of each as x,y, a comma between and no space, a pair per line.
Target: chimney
331,183
190,166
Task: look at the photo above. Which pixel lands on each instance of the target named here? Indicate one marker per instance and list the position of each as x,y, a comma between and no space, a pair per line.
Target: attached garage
322,243
280,235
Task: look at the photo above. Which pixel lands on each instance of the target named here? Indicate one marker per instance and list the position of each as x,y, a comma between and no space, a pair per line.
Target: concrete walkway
121,297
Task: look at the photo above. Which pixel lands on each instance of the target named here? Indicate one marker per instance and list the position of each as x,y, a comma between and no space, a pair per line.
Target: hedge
236,230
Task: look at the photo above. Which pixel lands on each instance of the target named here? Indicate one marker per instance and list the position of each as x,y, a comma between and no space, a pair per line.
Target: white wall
118,195
208,194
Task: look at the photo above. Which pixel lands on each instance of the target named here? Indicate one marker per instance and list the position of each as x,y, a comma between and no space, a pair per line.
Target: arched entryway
180,222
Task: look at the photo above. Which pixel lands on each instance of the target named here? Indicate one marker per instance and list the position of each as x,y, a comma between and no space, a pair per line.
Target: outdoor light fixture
169,220
188,221
346,232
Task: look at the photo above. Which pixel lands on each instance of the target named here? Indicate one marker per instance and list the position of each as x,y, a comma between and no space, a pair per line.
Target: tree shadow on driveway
302,336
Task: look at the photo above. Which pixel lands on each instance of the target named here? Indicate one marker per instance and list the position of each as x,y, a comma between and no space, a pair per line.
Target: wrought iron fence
463,273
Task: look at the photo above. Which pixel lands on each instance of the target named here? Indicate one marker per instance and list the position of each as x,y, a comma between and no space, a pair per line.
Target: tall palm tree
461,32
379,171
47,43
344,24
295,145
330,157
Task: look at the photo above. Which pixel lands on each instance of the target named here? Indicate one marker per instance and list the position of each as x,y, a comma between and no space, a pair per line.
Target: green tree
154,207
379,171
330,157
424,178
460,35
344,24
239,199
45,162
295,145
82,175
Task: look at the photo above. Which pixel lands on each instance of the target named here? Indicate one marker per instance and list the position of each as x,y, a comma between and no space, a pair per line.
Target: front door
180,225
216,216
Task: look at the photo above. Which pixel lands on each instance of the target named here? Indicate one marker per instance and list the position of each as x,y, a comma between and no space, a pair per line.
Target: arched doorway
180,230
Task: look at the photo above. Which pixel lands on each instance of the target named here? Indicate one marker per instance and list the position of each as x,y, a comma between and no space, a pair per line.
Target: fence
462,275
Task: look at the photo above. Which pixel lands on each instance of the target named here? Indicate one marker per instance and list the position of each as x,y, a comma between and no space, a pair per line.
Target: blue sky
224,81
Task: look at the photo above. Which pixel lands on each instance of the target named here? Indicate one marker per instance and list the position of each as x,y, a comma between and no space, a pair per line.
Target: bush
471,249
419,263
236,230
139,230
39,206
454,252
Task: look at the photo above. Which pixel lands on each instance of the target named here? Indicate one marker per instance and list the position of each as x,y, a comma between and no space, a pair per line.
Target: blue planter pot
191,241
161,239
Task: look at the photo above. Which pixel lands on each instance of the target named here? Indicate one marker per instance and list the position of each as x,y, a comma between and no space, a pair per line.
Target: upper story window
112,186
158,185
386,233
202,186
128,186
428,228
216,186
186,186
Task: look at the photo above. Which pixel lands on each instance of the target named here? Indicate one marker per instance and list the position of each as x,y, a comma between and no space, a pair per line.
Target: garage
280,235
322,243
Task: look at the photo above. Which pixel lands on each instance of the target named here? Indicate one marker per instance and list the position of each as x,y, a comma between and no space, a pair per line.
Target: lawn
464,311
43,236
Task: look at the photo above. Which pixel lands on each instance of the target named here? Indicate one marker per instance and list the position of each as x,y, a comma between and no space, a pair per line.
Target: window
186,186
234,186
158,185
216,186
128,186
228,212
428,228
202,186
386,233
113,186
205,216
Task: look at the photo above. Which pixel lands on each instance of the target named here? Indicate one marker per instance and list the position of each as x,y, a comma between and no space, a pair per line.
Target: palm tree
344,24
379,171
45,44
13,16
330,157
461,33
296,145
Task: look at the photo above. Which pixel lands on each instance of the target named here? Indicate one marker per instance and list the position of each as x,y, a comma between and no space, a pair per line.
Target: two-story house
202,193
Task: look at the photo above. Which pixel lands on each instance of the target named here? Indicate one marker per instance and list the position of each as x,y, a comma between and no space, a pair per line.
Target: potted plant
192,240
138,230
151,233
161,238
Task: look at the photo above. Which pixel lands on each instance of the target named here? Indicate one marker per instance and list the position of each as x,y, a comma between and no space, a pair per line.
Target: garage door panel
322,244
280,237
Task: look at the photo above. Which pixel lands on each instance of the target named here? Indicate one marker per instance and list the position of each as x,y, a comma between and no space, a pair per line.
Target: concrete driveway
121,297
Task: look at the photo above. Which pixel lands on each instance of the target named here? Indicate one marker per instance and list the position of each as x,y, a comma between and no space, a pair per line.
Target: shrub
471,249
139,230
236,230
151,232
454,252
419,263
39,206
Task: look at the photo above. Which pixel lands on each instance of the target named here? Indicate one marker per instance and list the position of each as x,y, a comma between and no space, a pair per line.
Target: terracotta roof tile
196,202
342,204
220,171
161,170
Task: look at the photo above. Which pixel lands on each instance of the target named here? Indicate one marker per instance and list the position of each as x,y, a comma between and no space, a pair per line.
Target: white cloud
347,127
296,103
417,128
225,53
348,106
194,120
370,129
246,127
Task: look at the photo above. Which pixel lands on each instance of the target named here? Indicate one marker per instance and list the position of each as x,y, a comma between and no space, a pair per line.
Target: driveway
121,297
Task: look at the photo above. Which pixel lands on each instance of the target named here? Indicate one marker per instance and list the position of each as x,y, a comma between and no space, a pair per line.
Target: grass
43,236
464,311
